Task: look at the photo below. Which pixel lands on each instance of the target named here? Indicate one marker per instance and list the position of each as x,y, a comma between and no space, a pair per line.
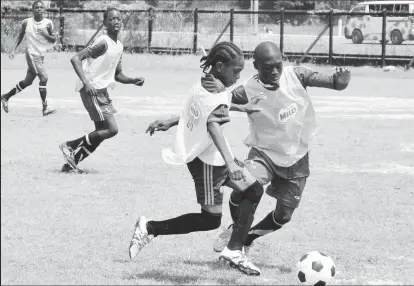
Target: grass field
75,229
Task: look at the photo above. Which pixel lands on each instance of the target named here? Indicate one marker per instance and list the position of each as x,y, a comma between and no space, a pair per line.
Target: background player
279,152
39,37
201,145
98,67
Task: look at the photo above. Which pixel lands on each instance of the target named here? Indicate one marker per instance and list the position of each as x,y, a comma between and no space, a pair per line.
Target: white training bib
37,44
100,72
192,137
287,123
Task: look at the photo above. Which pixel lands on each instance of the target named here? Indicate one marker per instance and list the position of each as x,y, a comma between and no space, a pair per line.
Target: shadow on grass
84,172
161,276
215,265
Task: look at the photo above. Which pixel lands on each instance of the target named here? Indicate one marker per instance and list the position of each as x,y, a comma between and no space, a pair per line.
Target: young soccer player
39,36
201,145
280,135
98,67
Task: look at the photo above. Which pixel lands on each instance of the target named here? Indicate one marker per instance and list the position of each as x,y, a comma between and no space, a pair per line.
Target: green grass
75,229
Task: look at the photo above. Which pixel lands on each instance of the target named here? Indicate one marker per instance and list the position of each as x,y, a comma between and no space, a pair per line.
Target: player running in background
201,145
39,37
280,135
98,67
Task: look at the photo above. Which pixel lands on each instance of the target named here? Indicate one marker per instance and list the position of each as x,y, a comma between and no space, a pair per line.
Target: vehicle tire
357,37
396,37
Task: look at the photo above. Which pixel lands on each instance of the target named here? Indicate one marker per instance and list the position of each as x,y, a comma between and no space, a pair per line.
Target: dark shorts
99,107
286,183
34,63
209,181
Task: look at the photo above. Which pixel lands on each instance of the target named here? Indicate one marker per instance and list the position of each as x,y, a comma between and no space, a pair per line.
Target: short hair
37,1
105,16
222,52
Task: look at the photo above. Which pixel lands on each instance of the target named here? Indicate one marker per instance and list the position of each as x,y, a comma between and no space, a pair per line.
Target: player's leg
28,80
288,194
208,181
260,170
106,127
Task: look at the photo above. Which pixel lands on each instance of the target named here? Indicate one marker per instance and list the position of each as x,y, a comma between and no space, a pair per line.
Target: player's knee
254,193
112,131
43,78
283,215
236,197
211,220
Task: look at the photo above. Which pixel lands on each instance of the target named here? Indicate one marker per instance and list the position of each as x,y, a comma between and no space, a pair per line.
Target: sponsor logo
194,110
288,113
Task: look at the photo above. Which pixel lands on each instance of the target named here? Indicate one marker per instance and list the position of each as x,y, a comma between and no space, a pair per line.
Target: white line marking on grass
391,168
405,147
377,116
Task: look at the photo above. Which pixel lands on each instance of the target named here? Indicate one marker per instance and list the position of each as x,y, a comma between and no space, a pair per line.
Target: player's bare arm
122,78
338,81
48,33
19,38
216,133
241,103
90,52
162,125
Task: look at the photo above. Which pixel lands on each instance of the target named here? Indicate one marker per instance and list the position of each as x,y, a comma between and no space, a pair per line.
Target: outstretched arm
162,125
122,78
19,38
241,103
338,81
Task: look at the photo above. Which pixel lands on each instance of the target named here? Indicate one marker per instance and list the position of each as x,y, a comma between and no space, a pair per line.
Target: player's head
37,8
268,62
225,61
112,20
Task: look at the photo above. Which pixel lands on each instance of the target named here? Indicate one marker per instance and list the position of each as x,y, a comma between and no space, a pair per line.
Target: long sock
235,199
19,87
186,223
84,151
92,138
241,226
267,225
43,94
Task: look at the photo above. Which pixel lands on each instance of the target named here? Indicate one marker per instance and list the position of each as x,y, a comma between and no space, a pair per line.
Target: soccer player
39,37
98,67
201,145
280,134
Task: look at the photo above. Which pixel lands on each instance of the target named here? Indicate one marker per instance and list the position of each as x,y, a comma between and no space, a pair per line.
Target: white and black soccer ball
316,268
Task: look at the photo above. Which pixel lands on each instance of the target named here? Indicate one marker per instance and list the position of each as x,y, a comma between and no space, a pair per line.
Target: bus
367,27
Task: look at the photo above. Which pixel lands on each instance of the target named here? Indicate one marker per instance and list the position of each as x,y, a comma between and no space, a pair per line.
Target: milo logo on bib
194,110
287,113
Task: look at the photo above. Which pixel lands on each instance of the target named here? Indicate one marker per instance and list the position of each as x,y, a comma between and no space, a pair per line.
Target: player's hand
251,106
11,55
235,172
139,81
158,125
342,75
89,89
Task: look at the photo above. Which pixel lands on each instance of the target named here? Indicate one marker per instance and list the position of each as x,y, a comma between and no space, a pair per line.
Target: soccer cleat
223,239
68,154
67,168
48,111
5,104
237,259
140,238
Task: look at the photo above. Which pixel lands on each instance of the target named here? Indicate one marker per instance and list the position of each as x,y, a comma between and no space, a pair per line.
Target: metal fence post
330,36
282,28
195,15
231,25
150,20
61,24
384,36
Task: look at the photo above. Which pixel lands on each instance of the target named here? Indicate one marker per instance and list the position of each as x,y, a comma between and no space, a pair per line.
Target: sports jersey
37,44
100,70
208,102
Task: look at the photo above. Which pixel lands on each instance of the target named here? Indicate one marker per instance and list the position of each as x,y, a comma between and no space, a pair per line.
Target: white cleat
140,238
237,259
223,240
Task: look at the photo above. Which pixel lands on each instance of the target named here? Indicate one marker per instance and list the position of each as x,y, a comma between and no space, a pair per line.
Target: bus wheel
396,37
357,37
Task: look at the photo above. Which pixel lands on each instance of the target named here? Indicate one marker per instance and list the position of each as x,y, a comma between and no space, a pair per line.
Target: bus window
404,8
359,8
389,8
374,9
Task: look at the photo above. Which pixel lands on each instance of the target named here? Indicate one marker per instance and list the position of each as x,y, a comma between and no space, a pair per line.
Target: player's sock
19,87
43,94
244,216
235,199
267,225
187,223
84,151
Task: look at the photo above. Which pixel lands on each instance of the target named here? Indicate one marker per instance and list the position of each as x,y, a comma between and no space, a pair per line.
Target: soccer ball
316,268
